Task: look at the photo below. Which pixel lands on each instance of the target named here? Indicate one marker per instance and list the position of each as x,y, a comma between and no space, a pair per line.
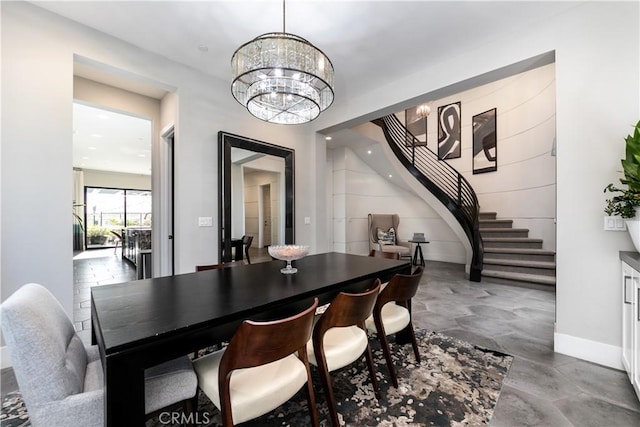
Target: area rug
455,384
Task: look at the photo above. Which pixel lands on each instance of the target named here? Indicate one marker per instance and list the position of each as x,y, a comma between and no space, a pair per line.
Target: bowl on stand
288,253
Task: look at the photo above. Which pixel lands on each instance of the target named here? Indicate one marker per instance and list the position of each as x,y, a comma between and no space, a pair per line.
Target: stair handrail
442,180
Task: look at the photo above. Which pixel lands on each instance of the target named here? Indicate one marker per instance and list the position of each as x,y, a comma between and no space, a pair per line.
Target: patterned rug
455,384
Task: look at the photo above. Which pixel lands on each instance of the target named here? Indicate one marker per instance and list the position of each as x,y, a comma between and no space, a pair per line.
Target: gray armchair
384,222
61,381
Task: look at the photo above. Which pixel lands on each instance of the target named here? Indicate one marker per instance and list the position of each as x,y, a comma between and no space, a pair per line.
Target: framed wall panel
485,142
449,131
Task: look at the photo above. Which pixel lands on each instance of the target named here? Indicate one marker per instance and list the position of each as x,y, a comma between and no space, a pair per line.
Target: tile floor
542,388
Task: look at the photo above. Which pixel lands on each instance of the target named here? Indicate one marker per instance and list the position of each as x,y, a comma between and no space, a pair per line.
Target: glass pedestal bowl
288,253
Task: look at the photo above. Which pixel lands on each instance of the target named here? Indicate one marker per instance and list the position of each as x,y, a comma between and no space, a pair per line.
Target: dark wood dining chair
382,254
340,338
392,314
265,363
246,242
204,267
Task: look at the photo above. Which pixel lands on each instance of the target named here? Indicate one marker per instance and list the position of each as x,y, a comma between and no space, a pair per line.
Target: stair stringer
375,133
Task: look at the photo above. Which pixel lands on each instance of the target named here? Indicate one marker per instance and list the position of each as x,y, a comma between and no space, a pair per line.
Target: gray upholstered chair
384,222
61,381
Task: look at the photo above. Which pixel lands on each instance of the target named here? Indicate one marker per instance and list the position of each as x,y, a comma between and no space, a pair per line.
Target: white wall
358,190
38,51
597,48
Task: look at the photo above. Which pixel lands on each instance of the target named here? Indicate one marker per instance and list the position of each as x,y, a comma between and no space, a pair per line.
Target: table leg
419,251
124,394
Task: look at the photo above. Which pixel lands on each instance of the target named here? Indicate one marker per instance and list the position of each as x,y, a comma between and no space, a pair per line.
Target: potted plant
627,202
78,229
97,235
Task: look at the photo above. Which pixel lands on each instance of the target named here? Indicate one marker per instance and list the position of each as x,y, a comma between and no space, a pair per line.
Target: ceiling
110,141
368,42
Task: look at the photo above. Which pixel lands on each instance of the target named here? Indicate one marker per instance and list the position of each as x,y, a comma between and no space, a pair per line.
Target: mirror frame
227,141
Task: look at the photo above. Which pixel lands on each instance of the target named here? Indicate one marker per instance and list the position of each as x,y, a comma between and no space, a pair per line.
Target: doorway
264,202
112,173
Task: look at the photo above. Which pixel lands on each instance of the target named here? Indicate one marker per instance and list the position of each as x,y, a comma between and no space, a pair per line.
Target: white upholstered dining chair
61,380
340,338
264,365
392,314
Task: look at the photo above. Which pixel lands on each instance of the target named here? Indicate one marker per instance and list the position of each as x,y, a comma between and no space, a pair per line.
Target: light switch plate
205,221
307,220
614,223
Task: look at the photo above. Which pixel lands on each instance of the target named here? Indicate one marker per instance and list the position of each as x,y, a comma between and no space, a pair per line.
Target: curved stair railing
442,180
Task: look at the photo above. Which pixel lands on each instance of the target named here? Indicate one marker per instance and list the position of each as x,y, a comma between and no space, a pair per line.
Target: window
112,209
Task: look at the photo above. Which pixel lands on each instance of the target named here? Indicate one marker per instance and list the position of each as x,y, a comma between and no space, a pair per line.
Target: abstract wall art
449,138
485,142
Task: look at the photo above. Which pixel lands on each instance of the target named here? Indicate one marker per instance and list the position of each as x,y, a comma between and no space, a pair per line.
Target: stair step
515,278
495,223
504,232
520,254
521,266
512,242
487,215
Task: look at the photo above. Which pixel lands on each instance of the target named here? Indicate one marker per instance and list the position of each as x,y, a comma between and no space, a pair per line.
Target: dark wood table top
128,315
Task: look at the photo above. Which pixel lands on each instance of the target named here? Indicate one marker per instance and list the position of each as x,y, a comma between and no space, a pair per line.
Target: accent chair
61,380
386,225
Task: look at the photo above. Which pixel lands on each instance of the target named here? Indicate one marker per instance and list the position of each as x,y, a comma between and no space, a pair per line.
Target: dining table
143,323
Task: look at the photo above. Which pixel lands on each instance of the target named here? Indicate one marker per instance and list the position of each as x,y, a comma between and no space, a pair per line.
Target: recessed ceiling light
368,151
91,148
141,155
96,135
328,138
203,47
390,176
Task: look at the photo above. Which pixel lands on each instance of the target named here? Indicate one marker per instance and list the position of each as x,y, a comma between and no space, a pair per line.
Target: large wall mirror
255,193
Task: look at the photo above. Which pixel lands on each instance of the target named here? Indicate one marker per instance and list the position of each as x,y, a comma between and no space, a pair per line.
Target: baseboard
592,351
5,360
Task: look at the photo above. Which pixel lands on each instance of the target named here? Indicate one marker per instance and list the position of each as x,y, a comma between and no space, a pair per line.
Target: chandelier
282,78
423,110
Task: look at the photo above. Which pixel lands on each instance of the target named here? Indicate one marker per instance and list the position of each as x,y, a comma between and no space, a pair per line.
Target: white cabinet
631,324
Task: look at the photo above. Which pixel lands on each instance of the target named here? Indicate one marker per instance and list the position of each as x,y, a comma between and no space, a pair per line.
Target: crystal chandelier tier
282,78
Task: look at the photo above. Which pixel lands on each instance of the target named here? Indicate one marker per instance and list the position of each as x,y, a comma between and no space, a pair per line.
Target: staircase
511,256
442,180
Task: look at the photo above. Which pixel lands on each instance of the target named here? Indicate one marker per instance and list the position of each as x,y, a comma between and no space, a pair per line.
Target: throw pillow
387,237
